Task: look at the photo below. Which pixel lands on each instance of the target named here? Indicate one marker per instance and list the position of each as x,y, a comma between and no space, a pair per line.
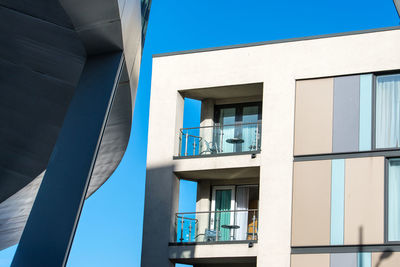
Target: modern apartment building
296,158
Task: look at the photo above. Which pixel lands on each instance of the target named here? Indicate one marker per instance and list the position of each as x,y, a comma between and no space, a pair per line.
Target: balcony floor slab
238,252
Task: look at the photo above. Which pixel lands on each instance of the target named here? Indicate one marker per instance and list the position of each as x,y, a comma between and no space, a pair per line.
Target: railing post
176,227
217,227
186,143
181,239
190,231
194,146
180,143
254,223
222,138
257,136
196,230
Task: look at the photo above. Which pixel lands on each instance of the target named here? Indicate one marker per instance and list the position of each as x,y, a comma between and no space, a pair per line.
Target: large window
387,116
238,127
235,212
394,200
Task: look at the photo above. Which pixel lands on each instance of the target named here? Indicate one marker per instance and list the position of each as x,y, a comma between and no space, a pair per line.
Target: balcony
220,139
216,226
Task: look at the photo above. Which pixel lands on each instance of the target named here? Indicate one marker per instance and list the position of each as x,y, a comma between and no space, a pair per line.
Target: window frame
239,111
238,118
387,158
386,202
373,110
233,187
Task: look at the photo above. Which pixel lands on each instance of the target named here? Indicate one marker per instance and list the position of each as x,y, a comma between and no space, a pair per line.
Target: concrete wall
277,66
212,251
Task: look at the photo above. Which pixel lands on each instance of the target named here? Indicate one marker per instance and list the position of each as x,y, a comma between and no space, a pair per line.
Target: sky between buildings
110,228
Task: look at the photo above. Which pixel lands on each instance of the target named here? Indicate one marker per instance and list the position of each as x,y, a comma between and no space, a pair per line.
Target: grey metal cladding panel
131,32
42,47
102,39
51,224
97,22
20,164
14,213
115,138
397,4
85,14
35,85
40,65
11,180
343,260
346,113
50,11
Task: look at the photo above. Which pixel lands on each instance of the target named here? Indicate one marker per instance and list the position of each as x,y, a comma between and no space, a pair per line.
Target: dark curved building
68,77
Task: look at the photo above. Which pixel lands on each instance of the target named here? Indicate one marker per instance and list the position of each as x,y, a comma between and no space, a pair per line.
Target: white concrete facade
277,66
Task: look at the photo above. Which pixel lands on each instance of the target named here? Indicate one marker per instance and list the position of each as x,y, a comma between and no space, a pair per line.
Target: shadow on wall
159,227
161,205
385,255
183,255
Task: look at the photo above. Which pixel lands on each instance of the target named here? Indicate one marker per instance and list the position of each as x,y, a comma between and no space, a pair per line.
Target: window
387,115
238,127
394,200
235,212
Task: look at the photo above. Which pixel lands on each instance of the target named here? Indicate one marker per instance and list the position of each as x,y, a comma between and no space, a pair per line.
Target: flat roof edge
296,39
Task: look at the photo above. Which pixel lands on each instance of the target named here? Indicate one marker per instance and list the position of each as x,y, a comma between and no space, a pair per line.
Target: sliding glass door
234,212
223,202
227,121
250,129
238,127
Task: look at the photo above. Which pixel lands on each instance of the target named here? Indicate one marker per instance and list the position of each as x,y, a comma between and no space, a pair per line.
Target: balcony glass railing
219,139
216,226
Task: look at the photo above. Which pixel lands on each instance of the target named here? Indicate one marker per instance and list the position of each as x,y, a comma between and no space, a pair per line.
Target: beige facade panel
313,116
310,260
364,201
311,203
386,259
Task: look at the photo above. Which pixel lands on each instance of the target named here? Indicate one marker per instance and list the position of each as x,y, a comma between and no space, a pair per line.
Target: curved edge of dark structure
64,37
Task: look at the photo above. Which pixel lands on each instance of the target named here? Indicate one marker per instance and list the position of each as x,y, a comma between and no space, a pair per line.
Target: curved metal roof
43,48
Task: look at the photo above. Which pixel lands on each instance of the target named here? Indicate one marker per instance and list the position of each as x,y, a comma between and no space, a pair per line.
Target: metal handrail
212,233
186,218
194,143
214,211
221,125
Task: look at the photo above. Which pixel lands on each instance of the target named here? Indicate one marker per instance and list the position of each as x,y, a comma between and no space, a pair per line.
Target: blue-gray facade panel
343,260
346,113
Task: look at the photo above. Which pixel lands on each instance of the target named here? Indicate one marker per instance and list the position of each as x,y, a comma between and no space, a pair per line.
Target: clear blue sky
110,228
